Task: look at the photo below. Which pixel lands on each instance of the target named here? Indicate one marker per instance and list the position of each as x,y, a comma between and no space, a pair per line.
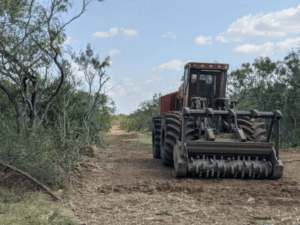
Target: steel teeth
243,173
239,168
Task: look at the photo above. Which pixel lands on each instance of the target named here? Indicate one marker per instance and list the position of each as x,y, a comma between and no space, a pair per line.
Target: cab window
207,78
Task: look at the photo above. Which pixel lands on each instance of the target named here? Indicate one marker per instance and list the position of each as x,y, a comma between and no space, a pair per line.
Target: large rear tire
156,129
253,128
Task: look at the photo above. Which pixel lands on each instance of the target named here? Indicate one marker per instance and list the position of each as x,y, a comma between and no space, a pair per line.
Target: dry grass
34,209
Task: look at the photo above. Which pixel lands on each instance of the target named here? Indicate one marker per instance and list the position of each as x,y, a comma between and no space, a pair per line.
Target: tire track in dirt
123,184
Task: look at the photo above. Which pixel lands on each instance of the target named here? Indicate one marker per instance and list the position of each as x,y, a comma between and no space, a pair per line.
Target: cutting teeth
197,168
260,169
266,173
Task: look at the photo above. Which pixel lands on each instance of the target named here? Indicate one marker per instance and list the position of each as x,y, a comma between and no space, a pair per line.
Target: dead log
31,178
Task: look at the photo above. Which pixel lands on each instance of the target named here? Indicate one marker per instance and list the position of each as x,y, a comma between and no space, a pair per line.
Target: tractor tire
156,129
253,128
170,133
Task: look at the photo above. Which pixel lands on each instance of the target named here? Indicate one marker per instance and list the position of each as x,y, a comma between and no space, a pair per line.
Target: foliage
44,115
267,86
140,119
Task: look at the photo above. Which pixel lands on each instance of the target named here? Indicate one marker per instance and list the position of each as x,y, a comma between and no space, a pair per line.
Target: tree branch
31,178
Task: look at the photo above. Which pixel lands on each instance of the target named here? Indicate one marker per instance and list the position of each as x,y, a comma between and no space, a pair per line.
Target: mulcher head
237,158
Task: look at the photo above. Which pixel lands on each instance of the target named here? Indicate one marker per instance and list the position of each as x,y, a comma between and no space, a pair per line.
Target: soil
123,184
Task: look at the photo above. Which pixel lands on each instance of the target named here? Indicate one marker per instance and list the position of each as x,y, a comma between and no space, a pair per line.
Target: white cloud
169,34
154,78
136,89
203,40
114,52
107,34
129,32
249,49
267,48
114,31
174,65
127,81
288,44
274,24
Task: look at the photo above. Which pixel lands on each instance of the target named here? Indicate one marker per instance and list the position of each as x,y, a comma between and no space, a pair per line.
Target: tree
31,48
93,70
269,86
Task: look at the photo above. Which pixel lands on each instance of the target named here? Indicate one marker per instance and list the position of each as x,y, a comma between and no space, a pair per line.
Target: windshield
204,83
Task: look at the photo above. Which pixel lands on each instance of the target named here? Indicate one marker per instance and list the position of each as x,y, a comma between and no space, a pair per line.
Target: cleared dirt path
125,185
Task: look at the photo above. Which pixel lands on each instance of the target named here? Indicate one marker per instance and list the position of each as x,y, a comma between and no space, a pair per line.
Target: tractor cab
205,80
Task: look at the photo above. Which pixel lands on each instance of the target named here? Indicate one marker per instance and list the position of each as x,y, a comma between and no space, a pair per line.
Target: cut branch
31,178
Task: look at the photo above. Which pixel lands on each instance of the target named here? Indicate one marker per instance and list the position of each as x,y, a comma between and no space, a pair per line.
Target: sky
149,41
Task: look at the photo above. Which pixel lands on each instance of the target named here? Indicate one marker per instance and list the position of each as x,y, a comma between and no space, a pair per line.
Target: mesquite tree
32,35
267,86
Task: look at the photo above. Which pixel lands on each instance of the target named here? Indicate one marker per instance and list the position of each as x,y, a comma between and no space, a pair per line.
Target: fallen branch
31,178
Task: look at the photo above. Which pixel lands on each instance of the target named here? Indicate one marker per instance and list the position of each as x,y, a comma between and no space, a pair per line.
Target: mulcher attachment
235,158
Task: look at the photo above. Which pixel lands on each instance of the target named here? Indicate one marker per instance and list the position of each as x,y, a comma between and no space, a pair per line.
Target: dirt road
125,185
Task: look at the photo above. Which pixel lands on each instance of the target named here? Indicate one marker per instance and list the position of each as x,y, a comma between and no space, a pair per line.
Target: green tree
269,86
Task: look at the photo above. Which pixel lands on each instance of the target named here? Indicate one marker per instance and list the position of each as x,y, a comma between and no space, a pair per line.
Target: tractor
200,132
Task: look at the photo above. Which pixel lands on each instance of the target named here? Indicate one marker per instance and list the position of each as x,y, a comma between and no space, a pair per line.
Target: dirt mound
89,151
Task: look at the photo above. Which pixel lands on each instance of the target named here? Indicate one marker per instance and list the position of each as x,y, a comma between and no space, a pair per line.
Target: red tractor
200,132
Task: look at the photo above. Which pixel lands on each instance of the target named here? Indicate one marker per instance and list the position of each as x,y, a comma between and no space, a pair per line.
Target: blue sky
150,41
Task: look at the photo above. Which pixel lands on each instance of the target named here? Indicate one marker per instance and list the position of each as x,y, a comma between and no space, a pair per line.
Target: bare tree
31,45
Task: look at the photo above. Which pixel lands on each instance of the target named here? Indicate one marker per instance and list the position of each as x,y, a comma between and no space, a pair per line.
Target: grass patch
34,209
144,138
